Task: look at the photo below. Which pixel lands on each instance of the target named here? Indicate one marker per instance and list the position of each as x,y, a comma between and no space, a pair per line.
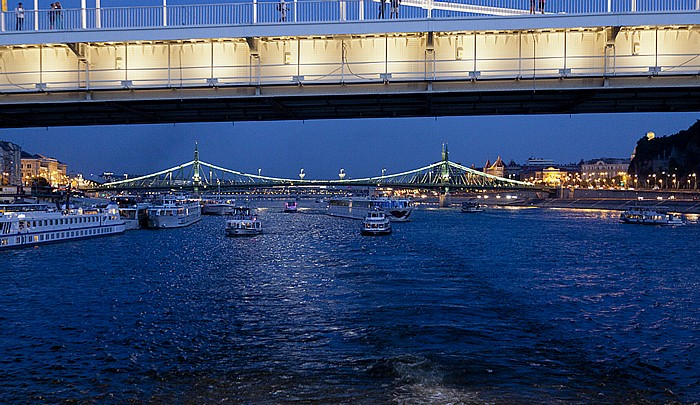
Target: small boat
290,206
472,207
376,223
243,221
651,216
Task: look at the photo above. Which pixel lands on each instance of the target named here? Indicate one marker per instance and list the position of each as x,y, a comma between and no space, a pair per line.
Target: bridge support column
445,199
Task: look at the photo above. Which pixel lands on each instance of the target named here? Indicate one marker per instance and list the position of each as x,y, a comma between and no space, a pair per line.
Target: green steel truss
444,175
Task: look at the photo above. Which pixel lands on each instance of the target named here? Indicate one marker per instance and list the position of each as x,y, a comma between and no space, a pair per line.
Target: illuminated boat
471,207
290,206
217,207
651,216
34,224
397,210
174,212
376,222
243,221
133,211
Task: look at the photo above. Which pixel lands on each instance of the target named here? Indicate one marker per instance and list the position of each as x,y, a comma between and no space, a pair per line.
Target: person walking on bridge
282,8
19,14
394,13
382,7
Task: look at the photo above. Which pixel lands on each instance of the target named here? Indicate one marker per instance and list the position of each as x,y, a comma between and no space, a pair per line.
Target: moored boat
243,221
133,211
217,207
290,206
395,209
376,222
174,212
34,224
651,216
471,207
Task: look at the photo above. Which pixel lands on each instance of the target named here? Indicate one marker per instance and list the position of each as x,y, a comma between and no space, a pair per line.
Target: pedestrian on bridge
59,16
52,16
394,8
382,7
19,14
282,8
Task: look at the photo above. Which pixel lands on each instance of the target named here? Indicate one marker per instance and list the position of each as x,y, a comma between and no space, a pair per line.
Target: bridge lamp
342,174
302,174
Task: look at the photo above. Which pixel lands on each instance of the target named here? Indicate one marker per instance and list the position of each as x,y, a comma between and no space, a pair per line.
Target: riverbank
681,206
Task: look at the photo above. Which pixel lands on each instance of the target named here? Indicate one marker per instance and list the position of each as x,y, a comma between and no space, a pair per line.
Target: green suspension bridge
196,175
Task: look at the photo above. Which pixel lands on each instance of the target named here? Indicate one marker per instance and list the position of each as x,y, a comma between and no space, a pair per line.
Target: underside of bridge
300,102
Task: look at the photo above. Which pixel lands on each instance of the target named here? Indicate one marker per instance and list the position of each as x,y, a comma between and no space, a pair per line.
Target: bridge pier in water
445,199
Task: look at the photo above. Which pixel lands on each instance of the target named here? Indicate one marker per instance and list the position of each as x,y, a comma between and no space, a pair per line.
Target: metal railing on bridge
267,12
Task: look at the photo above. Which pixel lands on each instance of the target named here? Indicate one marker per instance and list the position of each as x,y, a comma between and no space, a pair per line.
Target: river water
506,306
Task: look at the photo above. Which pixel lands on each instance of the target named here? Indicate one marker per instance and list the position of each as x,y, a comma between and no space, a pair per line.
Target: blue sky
361,146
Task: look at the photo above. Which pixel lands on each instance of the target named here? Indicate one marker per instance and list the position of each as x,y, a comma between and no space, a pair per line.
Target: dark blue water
508,306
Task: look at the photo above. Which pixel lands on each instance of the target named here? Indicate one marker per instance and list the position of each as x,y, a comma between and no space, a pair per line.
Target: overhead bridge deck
352,68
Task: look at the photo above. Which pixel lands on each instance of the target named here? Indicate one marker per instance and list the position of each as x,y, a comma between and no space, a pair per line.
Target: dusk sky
361,146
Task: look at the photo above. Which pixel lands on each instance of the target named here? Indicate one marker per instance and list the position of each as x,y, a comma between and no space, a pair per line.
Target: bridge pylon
196,177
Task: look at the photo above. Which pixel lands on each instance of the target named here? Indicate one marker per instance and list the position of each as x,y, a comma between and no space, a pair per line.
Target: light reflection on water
528,305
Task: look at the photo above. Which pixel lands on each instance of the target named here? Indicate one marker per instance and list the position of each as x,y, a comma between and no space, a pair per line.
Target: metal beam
395,99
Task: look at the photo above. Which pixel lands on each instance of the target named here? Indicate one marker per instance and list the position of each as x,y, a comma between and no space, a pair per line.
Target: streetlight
695,178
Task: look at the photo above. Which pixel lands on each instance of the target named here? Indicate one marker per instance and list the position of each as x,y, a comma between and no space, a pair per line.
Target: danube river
506,306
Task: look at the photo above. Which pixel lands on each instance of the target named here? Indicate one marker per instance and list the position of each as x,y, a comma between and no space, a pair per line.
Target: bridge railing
266,12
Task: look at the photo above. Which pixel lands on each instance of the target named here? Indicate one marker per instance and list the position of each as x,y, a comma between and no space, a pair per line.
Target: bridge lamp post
695,179
675,185
302,174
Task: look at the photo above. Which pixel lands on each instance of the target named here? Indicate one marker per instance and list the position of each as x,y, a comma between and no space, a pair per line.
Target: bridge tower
196,178
444,198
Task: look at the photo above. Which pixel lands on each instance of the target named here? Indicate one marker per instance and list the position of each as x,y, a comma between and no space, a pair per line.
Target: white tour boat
471,207
217,207
33,224
290,206
651,216
243,221
376,223
174,212
396,209
133,211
